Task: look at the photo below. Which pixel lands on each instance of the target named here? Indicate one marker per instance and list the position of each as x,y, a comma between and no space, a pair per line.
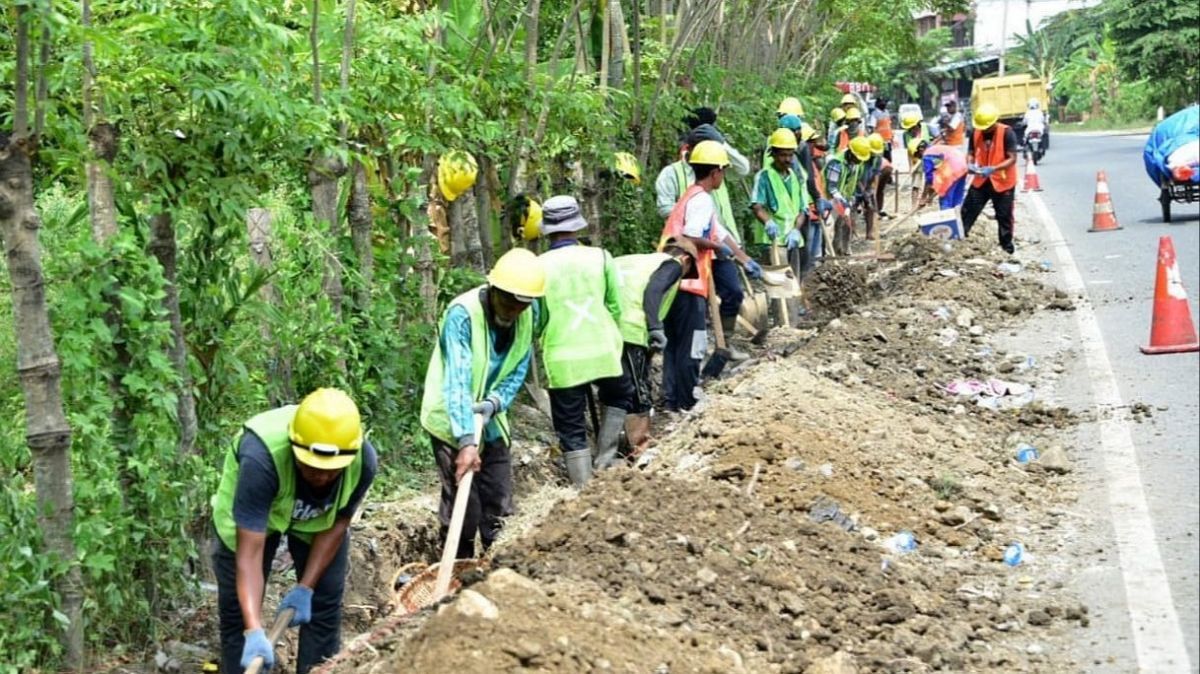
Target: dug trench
766,533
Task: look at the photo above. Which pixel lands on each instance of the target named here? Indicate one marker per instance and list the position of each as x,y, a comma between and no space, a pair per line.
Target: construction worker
813,238
837,120
993,157
649,283
477,367
850,101
915,131
880,122
780,200
852,129
790,106
695,218
524,215
876,176
799,240
916,150
298,471
952,126
672,181
581,344
843,178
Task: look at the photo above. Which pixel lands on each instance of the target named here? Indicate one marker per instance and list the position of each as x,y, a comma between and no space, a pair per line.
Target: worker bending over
843,178
298,471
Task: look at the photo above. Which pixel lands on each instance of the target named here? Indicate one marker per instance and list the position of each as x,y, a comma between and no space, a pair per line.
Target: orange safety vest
1003,179
844,137
884,127
674,228
955,136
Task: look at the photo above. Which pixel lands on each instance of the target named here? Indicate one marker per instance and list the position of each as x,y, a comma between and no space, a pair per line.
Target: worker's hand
972,168
772,230
468,459
726,252
486,408
257,646
300,599
986,171
824,206
794,239
842,204
658,339
753,269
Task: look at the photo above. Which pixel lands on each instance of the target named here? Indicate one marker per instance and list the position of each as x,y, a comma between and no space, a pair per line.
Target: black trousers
319,639
635,364
977,198
491,494
569,408
728,284
687,343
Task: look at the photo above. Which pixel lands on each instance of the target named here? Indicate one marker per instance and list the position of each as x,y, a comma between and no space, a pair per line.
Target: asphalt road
1118,273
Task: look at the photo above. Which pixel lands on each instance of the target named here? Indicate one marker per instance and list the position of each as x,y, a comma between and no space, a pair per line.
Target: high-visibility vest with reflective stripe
581,342
1003,179
272,428
850,175
635,272
685,178
790,200
435,418
884,127
844,137
674,228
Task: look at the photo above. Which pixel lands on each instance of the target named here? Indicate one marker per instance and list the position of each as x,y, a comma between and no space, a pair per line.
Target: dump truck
1010,94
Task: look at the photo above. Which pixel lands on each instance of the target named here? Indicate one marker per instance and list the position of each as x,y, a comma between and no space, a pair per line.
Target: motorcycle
1035,146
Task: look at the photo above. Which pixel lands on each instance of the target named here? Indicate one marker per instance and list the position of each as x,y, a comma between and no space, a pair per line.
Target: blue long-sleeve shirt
455,341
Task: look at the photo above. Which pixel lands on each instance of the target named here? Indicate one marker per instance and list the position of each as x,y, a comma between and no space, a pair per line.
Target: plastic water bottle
1026,453
1013,553
901,543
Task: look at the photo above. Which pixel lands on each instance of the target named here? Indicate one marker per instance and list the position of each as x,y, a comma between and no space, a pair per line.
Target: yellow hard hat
712,153
531,222
326,431
860,147
876,142
456,173
837,114
985,116
851,99
853,114
909,119
807,133
627,165
520,273
791,106
783,139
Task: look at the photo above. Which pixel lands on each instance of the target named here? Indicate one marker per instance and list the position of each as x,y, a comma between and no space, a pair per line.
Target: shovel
454,533
781,303
277,628
752,314
720,358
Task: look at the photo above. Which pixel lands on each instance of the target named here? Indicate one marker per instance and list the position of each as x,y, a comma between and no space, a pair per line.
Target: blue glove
972,168
726,252
794,240
753,269
658,339
486,408
824,206
772,230
300,599
987,171
257,646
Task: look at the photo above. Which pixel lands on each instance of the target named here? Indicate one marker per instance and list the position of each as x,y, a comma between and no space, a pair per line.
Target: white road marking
1158,639
1099,282
1112,257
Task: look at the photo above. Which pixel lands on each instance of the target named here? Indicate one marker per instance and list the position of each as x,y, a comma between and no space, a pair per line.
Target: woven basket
418,592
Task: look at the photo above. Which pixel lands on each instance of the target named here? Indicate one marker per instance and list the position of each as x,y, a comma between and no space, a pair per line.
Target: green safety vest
684,178
434,416
272,428
635,272
848,182
789,202
580,342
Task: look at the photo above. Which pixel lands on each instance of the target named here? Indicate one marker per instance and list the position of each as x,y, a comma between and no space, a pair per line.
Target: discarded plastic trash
1009,268
993,394
826,469
827,510
984,352
942,313
1027,363
901,543
1014,553
1046,265
1026,453
947,337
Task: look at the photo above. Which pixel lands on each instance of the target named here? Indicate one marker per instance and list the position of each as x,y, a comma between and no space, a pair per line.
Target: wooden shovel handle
277,628
454,533
714,312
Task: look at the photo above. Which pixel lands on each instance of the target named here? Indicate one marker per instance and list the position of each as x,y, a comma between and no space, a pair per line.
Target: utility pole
1003,37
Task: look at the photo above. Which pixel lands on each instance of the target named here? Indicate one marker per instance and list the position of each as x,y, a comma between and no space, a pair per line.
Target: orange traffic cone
1103,218
1031,177
1171,327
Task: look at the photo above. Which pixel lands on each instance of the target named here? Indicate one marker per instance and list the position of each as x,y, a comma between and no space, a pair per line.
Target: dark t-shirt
1010,142
258,483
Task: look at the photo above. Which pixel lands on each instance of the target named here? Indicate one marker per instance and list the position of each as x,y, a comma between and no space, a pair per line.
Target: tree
1159,40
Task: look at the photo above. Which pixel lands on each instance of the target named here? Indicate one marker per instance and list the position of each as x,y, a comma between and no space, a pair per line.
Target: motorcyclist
1035,121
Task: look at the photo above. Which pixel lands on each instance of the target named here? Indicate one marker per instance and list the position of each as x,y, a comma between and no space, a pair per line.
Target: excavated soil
760,534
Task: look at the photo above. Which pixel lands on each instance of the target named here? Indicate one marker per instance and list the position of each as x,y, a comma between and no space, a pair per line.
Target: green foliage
1159,40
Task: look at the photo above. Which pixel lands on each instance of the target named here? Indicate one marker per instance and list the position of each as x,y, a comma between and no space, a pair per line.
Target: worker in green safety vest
581,343
649,283
478,364
844,180
298,471
670,186
780,200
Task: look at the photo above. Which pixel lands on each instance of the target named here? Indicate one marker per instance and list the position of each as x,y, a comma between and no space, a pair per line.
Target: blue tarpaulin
1169,135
